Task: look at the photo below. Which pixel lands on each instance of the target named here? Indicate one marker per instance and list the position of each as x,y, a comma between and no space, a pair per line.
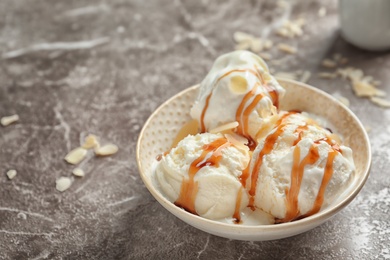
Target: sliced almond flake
282,4
265,56
76,155
295,29
351,73
364,89
287,48
305,76
283,32
91,141
256,45
11,174
336,138
327,75
237,143
225,127
239,138
242,36
268,44
322,12
63,183
105,150
368,128
78,172
329,63
243,45
7,120
380,102
291,29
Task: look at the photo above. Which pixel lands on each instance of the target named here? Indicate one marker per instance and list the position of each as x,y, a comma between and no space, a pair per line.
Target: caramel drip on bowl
237,213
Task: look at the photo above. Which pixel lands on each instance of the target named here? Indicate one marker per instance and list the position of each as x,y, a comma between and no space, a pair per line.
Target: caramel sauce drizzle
292,209
325,180
297,171
272,92
189,188
267,148
242,115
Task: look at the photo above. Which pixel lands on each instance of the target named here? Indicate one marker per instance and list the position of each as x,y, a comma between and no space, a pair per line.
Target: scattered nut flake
361,84
76,155
368,128
336,138
322,12
78,172
63,183
7,120
282,4
256,45
287,48
108,149
329,63
351,73
305,76
327,75
364,86
265,56
380,102
268,44
365,89
246,41
242,36
11,174
237,141
224,127
291,29
91,141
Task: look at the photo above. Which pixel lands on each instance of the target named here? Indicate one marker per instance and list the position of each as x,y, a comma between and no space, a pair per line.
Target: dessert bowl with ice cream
246,156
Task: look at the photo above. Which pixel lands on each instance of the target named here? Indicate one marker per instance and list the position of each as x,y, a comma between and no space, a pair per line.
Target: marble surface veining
69,68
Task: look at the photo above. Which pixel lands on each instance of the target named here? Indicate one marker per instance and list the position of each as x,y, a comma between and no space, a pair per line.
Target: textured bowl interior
162,126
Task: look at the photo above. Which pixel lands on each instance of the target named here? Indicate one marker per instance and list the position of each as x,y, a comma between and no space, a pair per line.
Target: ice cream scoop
297,169
238,88
201,175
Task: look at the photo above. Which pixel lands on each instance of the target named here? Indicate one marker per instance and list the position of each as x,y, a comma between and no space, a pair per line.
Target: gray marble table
69,68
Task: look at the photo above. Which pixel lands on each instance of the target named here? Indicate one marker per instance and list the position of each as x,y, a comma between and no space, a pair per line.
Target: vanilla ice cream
201,174
252,164
239,89
297,169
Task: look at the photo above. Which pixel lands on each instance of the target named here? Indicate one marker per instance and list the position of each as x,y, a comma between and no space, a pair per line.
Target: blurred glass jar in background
366,23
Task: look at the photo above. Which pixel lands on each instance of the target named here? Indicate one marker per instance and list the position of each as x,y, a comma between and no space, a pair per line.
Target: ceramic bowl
162,126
